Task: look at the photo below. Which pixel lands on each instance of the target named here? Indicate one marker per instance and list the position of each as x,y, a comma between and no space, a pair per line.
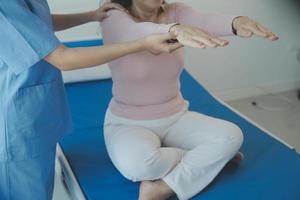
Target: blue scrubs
33,110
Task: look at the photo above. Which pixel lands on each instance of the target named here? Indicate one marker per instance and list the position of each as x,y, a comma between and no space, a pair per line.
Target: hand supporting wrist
233,26
173,27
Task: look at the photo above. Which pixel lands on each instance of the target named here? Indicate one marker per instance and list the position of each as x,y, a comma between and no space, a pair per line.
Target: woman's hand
246,27
198,38
101,13
161,43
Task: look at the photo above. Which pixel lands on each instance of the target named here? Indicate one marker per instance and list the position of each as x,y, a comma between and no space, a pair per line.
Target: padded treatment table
270,171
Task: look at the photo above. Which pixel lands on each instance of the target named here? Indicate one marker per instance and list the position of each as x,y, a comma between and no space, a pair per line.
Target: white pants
186,150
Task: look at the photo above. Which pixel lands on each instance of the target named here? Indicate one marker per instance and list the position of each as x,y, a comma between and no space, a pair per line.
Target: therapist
34,114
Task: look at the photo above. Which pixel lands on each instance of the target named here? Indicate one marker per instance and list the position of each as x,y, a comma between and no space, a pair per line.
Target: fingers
174,46
195,44
102,16
169,48
155,52
247,27
220,41
187,41
211,41
109,6
196,40
105,7
258,30
114,6
159,43
206,41
166,45
201,45
270,34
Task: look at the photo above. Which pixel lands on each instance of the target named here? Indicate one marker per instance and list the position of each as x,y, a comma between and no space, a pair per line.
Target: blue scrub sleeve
25,39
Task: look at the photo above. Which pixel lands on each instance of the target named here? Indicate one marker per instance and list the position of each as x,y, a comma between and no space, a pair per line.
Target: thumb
170,36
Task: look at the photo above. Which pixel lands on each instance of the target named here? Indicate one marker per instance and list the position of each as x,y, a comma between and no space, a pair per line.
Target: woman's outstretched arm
119,26
215,23
220,24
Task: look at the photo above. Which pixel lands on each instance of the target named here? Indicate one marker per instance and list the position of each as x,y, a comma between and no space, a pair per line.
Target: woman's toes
154,190
147,191
238,158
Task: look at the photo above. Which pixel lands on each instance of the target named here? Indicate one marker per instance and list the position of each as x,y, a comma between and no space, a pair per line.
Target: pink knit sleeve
217,24
120,27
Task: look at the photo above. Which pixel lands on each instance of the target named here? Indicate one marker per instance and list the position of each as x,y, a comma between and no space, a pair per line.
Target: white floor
278,113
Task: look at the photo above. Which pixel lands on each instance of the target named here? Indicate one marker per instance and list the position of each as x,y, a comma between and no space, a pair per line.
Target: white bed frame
66,175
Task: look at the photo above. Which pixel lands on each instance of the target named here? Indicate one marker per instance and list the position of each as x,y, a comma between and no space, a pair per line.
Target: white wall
248,66
83,32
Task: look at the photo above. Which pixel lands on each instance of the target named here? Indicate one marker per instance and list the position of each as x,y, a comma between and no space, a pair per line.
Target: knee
229,137
142,166
235,135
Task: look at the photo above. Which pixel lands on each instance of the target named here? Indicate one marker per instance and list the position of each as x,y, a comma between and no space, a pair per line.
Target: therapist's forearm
77,58
65,21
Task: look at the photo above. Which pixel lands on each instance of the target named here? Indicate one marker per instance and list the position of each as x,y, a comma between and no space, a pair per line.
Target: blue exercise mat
270,171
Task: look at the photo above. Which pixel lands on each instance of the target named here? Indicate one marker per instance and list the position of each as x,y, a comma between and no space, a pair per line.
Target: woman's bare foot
237,158
155,190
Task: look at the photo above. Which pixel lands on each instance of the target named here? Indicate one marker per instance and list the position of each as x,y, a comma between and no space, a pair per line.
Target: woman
149,133
34,114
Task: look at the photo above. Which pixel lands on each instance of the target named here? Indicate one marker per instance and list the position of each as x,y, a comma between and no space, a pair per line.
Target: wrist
141,44
92,16
234,24
174,27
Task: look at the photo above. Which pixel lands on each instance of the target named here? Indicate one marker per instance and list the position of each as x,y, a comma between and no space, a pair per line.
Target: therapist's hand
65,21
161,43
246,27
101,13
196,37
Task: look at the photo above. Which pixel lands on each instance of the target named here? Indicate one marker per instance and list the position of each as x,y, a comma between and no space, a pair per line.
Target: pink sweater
147,86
